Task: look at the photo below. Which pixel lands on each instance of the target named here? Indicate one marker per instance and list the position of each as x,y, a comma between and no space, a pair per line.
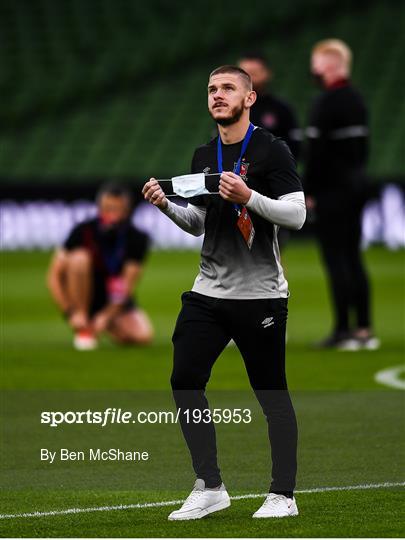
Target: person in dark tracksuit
269,111
335,186
240,292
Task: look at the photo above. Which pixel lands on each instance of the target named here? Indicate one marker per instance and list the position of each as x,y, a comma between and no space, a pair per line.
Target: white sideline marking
173,503
391,377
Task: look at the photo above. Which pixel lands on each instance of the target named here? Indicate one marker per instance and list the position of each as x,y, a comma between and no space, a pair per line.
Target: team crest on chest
243,170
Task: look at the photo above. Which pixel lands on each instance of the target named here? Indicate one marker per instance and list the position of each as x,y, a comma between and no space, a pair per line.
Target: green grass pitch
351,428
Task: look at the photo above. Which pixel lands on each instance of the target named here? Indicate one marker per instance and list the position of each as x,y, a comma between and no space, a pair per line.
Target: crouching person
91,278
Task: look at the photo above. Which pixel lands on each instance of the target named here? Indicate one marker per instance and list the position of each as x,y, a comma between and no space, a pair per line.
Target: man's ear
250,99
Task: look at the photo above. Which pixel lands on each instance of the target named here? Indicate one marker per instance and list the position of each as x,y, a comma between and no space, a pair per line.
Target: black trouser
204,327
339,236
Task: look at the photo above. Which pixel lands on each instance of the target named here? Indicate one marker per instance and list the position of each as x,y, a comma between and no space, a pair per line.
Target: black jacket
337,144
276,116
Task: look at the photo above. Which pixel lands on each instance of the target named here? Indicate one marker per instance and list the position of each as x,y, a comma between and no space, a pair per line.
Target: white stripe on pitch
391,377
173,503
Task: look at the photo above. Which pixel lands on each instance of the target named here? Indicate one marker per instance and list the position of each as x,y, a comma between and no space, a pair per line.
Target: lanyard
237,167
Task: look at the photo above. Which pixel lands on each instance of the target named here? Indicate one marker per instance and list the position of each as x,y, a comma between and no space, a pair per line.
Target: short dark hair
255,55
236,70
115,189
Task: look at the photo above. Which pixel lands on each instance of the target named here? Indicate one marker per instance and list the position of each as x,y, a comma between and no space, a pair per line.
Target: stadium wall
45,223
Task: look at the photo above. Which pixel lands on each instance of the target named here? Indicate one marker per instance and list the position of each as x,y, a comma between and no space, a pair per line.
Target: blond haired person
336,187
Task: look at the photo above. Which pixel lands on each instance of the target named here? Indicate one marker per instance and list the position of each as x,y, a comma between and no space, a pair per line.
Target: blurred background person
269,111
91,277
335,185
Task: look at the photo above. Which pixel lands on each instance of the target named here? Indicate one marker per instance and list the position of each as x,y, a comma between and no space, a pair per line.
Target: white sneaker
370,343
350,344
202,502
277,506
84,340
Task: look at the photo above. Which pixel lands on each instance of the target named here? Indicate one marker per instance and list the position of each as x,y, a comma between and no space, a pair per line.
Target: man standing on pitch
269,111
336,188
240,292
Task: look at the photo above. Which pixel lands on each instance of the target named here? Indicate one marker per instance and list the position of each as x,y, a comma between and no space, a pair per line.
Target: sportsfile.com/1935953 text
112,415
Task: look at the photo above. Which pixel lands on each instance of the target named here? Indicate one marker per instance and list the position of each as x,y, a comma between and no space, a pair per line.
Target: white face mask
190,185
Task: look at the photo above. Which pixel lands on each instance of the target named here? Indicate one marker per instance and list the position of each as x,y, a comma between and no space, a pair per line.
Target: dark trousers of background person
203,329
339,234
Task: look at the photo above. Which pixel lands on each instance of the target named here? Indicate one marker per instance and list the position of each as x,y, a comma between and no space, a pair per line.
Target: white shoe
84,340
370,343
277,506
201,502
350,344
